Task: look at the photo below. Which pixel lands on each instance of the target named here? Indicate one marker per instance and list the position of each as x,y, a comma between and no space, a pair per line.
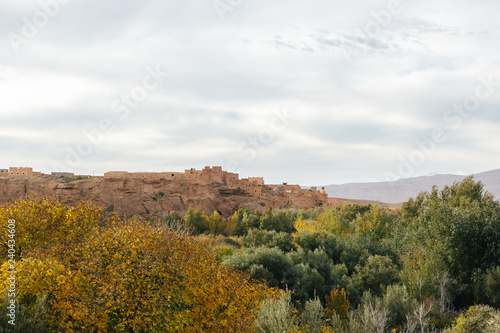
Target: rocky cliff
143,197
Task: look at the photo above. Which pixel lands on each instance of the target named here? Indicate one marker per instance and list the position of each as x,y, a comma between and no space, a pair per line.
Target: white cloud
227,78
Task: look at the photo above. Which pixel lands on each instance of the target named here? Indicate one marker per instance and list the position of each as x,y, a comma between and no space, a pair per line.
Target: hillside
149,197
403,189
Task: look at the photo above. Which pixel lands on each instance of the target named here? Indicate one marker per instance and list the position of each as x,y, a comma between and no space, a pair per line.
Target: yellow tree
127,276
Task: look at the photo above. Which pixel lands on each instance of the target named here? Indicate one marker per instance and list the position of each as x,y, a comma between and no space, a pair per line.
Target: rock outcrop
148,197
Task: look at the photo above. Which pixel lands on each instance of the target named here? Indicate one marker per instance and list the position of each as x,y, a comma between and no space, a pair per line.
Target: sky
309,92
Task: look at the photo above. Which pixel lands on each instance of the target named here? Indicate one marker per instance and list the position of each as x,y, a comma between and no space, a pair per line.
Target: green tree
199,221
378,273
455,230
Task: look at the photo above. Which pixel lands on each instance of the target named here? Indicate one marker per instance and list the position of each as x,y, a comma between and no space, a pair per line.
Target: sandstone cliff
144,197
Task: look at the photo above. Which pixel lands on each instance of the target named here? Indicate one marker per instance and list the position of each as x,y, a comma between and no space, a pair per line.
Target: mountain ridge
405,188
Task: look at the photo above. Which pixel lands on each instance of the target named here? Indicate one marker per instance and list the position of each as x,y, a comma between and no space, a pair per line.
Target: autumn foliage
337,303
112,275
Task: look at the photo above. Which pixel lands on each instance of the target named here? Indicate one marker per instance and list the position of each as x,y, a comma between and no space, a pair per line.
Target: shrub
281,240
271,262
399,304
275,315
33,319
222,251
311,317
487,289
337,303
376,274
311,241
477,319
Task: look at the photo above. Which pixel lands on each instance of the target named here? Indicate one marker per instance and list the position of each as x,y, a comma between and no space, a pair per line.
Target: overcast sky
309,92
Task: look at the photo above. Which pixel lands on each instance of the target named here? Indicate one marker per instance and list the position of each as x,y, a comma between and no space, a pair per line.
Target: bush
281,240
487,289
222,251
311,241
315,273
33,319
275,315
269,262
337,303
376,275
311,318
399,304
477,319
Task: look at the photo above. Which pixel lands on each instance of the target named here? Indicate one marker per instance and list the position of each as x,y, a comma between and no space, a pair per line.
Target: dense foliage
433,266
412,270
79,272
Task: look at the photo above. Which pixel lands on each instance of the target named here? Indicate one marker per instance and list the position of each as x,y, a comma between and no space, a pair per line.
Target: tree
125,275
399,304
376,223
455,230
199,221
216,224
337,303
378,273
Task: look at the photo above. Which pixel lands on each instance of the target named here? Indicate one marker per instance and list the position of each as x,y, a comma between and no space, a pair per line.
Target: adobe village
159,193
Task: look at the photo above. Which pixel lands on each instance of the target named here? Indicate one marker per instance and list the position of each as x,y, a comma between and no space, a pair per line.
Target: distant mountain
403,189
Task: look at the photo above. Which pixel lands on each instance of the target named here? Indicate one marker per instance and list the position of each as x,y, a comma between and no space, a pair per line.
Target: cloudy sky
308,92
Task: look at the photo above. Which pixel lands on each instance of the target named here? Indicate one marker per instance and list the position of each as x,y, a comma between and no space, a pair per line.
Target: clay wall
20,172
257,180
231,179
116,174
193,175
250,187
211,175
171,175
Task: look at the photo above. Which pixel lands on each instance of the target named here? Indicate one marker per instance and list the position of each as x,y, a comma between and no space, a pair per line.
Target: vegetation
411,270
78,271
433,266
